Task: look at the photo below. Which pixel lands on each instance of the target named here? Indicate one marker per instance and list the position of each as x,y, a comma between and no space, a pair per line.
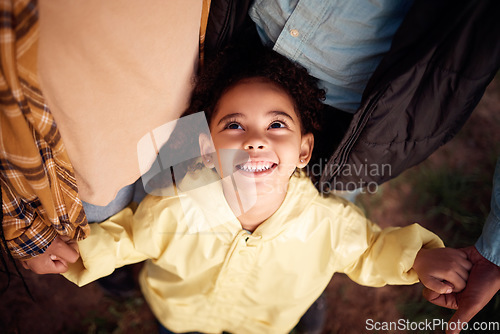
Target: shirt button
294,33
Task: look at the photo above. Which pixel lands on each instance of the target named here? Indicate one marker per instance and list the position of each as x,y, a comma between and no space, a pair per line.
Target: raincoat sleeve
375,257
130,236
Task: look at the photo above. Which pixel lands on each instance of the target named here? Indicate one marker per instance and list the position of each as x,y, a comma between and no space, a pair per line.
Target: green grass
456,200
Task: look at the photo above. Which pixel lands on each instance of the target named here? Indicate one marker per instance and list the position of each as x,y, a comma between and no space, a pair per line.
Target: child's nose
251,147
254,142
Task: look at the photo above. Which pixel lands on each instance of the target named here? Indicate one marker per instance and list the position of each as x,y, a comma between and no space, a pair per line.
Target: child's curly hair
232,65
240,62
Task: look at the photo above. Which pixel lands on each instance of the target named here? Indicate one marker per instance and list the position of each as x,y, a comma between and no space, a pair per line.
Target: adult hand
56,257
482,285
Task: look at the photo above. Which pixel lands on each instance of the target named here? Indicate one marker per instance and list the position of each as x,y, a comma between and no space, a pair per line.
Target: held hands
56,257
483,284
442,270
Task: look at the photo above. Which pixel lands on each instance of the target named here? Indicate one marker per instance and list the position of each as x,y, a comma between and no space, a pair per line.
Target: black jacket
442,58
228,21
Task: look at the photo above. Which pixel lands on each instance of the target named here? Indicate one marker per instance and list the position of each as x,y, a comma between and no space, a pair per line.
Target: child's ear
306,148
207,149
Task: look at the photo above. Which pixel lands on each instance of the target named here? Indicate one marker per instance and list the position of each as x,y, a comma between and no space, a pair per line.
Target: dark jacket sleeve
228,21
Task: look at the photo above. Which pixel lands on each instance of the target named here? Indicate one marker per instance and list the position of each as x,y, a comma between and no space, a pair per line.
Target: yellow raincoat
205,273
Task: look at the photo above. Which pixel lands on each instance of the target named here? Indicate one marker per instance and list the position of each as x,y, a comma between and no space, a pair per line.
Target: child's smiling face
258,117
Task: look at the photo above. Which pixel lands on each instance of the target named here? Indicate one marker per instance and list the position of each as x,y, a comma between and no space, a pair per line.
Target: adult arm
488,244
40,196
484,277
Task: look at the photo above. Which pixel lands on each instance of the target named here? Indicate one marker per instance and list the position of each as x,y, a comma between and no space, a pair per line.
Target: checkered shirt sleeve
39,191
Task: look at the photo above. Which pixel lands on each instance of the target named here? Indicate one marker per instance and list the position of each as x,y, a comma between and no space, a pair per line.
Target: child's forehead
271,85
254,81
258,85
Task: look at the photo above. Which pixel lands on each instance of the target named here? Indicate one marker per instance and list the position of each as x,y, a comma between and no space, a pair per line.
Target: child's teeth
257,168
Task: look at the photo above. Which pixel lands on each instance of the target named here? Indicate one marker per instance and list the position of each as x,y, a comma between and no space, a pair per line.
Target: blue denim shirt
488,243
339,42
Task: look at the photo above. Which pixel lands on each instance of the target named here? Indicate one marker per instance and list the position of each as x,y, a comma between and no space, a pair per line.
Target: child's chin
260,186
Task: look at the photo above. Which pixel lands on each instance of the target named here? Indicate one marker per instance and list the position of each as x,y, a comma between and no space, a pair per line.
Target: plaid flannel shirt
40,195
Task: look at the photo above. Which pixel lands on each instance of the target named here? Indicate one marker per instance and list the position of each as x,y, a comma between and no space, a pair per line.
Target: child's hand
56,257
482,285
443,270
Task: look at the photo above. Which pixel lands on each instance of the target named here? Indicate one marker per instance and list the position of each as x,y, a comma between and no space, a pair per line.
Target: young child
247,248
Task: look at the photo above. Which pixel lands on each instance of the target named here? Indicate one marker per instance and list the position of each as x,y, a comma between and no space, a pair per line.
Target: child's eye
277,125
233,126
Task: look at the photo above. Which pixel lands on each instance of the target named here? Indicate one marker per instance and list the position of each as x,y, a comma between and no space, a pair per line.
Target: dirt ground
61,307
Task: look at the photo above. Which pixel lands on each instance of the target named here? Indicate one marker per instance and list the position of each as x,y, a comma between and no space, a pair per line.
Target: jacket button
294,33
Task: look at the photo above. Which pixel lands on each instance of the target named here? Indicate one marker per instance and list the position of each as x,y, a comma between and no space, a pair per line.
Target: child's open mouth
257,168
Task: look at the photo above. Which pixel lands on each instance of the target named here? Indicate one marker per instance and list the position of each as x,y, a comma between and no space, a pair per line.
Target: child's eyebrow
230,116
280,113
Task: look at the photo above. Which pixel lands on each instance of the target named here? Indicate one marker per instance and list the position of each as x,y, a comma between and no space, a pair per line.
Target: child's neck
253,209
